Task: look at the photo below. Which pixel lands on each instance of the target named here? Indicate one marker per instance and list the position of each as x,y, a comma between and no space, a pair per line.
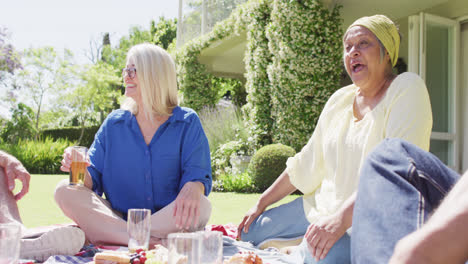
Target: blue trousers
399,187
288,221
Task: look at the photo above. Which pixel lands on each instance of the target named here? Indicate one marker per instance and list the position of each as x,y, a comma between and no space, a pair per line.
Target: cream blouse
327,168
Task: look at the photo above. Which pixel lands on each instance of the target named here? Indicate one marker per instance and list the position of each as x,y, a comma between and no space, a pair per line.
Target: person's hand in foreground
187,205
14,170
323,234
251,215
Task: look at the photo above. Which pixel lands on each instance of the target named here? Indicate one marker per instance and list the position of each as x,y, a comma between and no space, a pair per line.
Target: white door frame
417,64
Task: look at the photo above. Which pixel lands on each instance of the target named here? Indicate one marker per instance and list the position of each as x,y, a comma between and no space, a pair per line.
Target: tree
117,56
164,33
95,94
96,46
9,57
44,75
21,125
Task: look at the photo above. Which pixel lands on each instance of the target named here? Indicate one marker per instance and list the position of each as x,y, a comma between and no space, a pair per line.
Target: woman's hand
187,205
251,215
66,165
67,160
322,235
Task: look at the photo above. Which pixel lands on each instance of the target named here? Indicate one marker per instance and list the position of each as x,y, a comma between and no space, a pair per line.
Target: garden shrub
268,163
20,126
220,161
72,134
39,157
241,183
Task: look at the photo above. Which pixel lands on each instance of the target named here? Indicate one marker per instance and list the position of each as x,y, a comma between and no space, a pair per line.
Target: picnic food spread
247,257
158,255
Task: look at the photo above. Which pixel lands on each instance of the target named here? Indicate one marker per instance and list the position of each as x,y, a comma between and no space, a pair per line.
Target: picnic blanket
230,247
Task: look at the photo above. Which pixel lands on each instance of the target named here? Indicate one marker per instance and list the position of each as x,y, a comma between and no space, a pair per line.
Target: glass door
433,54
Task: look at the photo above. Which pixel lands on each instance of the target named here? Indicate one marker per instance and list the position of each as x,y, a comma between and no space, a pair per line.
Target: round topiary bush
268,163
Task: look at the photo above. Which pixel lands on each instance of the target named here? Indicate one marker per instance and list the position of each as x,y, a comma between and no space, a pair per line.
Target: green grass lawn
38,207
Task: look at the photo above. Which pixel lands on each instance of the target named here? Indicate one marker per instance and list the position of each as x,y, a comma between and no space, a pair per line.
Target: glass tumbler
10,237
211,247
138,228
184,248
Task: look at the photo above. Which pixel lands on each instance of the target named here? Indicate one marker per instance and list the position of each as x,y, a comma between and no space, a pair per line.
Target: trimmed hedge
72,134
268,163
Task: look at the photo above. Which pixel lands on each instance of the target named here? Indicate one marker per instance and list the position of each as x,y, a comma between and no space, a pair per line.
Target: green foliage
39,156
96,95
233,87
258,87
164,33
117,56
20,126
45,75
221,159
305,38
241,183
268,163
72,134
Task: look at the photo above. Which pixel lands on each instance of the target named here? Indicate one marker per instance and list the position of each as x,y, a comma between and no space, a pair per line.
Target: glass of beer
78,165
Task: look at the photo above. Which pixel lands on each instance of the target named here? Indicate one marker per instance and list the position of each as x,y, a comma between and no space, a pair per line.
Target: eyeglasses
131,72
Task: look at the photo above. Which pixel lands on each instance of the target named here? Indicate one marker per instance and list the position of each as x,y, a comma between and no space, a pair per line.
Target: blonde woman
150,154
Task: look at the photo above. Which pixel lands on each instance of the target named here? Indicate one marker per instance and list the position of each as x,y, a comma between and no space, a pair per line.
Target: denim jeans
289,221
399,187
284,222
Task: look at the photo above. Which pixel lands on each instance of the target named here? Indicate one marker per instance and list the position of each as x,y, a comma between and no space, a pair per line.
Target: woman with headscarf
378,105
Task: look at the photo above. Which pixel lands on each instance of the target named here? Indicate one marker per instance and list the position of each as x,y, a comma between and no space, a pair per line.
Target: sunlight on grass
231,207
38,207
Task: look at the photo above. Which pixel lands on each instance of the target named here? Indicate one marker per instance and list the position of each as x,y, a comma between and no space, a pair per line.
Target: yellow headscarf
385,30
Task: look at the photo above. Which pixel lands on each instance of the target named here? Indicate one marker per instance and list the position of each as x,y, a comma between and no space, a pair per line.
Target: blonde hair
156,74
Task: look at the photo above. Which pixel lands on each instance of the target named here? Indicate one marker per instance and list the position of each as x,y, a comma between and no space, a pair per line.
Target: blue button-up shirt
132,174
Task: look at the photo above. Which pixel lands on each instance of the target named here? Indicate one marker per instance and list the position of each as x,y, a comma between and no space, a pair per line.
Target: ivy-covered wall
258,86
293,64
305,40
